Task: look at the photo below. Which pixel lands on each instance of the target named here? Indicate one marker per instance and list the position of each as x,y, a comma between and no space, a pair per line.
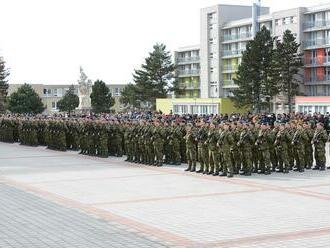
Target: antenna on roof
255,14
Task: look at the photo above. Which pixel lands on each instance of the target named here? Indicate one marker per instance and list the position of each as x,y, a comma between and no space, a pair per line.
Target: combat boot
189,167
216,173
193,168
248,173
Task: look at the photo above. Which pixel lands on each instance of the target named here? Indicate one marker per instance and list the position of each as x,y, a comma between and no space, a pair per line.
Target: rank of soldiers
221,149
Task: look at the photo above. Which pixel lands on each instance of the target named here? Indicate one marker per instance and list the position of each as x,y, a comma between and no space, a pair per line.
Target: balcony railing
187,59
230,67
232,52
317,24
317,61
317,42
190,86
188,72
240,36
229,83
316,80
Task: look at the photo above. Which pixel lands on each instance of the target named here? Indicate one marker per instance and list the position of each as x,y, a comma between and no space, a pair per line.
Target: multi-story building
187,71
52,93
316,43
226,29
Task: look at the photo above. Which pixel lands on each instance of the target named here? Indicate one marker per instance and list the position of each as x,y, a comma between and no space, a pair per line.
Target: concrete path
62,199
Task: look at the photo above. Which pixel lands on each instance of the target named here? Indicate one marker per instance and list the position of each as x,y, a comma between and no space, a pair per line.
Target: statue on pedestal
84,92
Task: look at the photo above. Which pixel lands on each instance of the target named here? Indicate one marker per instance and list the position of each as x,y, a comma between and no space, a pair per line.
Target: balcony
193,72
318,81
229,84
228,53
314,62
187,59
190,86
317,42
316,24
229,67
241,36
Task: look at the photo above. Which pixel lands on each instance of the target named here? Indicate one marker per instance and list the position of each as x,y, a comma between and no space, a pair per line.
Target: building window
294,19
59,92
116,92
54,92
47,92
278,22
54,106
180,109
287,20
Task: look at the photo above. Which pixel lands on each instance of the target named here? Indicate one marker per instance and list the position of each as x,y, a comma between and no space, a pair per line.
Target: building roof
188,48
246,21
318,8
312,99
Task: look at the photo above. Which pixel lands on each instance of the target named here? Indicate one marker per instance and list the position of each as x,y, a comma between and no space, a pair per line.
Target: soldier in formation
220,149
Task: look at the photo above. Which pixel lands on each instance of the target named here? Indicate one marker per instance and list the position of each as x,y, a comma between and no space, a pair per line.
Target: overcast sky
46,41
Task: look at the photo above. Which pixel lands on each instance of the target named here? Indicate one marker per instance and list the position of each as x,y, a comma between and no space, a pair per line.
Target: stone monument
84,92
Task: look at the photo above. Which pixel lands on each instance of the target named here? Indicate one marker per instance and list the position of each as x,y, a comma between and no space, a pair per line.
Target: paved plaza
62,199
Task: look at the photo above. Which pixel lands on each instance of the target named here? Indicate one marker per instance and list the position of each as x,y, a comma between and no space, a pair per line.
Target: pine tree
256,85
287,62
101,98
128,97
25,101
69,102
155,78
4,73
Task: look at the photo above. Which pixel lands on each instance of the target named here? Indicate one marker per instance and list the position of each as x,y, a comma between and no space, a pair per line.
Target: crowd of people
218,145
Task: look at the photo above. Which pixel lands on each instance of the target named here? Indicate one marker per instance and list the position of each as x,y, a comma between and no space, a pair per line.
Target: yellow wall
165,105
226,106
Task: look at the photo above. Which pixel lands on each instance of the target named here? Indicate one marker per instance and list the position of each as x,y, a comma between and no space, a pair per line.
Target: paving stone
142,206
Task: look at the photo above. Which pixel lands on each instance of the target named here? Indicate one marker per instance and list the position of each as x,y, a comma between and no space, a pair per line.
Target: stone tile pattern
29,221
280,210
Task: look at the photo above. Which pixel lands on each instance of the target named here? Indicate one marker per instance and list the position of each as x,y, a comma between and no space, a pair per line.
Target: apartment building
187,71
52,93
226,29
317,51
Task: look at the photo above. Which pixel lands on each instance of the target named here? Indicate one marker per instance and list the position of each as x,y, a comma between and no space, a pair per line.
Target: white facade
187,62
309,105
226,29
212,19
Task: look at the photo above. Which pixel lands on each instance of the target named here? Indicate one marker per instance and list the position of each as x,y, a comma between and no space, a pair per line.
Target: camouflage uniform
282,142
245,144
319,140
